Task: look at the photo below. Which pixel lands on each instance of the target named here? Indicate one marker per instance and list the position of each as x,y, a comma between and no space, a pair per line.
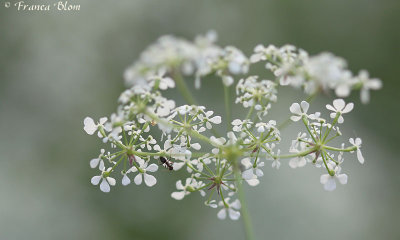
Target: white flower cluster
311,147
199,58
325,71
256,94
149,130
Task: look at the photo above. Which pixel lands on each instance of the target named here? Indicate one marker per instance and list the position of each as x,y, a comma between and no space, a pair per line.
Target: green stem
245,214
326,165
305,121
250,112
228,107
197,171
349,149
300,154
183,88
333,123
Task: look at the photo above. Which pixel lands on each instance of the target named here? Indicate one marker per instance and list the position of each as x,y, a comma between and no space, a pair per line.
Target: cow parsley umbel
149,130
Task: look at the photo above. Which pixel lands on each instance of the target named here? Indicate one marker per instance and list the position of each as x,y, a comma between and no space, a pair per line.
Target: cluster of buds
149,130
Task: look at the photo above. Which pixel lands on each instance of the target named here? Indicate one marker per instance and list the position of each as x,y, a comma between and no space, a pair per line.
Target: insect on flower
167,163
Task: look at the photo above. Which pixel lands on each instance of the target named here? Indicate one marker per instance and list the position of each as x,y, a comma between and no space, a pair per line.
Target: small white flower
232,209
297,161
252,172
90,126
212,204
239,124
182,154
150,141
299,110
125,179
329,181
98,161
339,106
231,138
227,80
162,106
208,119
164,82
265,127
357,143
275,161
183,189
367,84
105,181
149,180
298,143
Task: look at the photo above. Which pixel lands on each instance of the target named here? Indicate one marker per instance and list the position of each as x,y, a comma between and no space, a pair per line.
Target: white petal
374,84
188,181
305,105
295,109
157,148
343,90
179,185
259,173
111,181
149,180
360,156
330,107
348,108
94,162
196,146
253,182
178,165
255,58
95,180
216,120
339,104
330,185
178,195
236,122
293,163
125,180
364,95
138,179
342,178
295,118
324,178
222,214
340,119
248,174
104,186
234,215
246,162
103,120
236,204
89,126
302,162
101,165
152,168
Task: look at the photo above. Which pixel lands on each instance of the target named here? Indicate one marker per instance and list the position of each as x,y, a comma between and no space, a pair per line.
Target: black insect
167,163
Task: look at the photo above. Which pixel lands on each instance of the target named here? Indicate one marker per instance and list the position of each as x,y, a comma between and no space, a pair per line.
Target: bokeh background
58,67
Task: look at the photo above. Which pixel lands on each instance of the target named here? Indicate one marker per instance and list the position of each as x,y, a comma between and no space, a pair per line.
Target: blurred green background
58,67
